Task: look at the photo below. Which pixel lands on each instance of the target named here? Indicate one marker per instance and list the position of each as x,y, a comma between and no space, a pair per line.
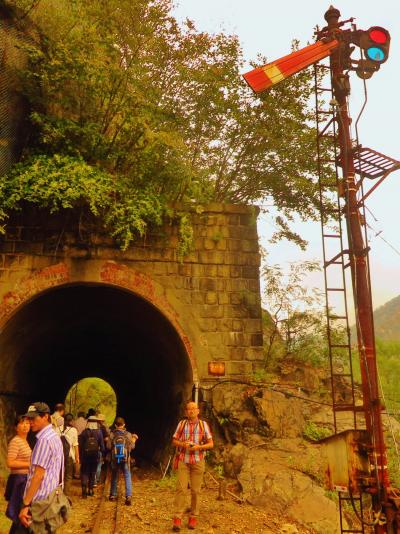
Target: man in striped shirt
191,438
47,460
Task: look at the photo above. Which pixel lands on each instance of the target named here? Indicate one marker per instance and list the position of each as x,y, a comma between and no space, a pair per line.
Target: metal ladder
336,260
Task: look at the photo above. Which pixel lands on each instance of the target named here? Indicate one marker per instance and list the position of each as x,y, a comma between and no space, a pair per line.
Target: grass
5,523
313,432
168,482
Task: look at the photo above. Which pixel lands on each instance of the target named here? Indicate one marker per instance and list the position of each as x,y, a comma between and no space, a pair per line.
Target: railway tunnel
75,331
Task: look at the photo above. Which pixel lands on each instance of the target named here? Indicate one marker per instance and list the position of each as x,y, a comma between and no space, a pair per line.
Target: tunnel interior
75,331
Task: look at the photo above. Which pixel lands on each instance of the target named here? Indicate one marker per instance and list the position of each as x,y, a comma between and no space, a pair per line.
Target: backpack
90,446
180,431
181,428
66,445
119,448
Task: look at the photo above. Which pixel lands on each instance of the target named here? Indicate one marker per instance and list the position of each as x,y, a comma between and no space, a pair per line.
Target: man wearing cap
45,472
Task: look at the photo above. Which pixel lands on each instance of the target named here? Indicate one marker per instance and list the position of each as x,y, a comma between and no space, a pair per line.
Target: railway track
108,516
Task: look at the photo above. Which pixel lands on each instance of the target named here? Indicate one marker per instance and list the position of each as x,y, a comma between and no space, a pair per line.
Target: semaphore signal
263,78
358,459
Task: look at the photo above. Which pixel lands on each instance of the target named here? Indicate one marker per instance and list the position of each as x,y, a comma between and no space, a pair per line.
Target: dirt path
152,512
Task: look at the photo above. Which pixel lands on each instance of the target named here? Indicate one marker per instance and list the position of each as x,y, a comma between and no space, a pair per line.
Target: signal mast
366,471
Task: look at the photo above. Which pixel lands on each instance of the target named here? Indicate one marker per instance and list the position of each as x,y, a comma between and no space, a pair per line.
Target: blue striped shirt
47,453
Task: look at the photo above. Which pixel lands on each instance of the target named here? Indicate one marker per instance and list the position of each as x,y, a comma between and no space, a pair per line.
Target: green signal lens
375,54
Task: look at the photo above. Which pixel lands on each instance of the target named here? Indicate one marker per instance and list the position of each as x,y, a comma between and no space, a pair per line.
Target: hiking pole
166,469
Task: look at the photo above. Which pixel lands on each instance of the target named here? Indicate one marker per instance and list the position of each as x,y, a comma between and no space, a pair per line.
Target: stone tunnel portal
75,331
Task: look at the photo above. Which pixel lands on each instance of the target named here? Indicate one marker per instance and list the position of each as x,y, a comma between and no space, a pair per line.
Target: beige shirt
18,449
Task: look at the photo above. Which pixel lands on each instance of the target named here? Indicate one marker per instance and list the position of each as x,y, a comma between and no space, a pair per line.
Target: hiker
90,413
92,443
18,461
122,443
44,506
80,423
57,418
191,438
106,436
69,437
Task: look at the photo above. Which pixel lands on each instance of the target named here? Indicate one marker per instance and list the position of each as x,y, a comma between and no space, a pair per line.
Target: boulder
234,458
284,417
265,477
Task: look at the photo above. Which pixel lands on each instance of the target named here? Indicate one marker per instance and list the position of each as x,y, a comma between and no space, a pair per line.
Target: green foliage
59,182
388,362
185,233
295,325
154,113
332,495
262,375
393,464
219,470
313,432
168,482
94,393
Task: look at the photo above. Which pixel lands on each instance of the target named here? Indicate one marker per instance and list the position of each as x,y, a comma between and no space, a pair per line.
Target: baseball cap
37,408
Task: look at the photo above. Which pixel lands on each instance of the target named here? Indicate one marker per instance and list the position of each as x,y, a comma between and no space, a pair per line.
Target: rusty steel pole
379,488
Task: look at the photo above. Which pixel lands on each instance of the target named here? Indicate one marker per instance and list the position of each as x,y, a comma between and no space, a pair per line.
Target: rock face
269,457
266,477
284,418
265,412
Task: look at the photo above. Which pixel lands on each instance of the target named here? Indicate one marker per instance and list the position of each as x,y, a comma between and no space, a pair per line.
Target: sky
269,27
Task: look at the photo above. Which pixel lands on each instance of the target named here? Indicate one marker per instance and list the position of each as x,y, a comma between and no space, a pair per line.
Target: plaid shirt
193,432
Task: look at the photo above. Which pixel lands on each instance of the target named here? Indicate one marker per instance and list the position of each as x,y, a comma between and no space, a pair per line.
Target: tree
297,325
154,113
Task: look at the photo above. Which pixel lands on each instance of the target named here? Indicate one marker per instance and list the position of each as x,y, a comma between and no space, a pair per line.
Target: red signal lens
378,36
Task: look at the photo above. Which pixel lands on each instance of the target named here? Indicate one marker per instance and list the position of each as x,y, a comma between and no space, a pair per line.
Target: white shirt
71,435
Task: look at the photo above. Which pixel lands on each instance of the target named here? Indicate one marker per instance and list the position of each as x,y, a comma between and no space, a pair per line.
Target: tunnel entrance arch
53,337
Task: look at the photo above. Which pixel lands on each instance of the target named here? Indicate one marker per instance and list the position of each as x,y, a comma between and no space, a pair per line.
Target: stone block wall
214,292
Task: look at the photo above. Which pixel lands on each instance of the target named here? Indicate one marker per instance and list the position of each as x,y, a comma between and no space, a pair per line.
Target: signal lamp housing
376,43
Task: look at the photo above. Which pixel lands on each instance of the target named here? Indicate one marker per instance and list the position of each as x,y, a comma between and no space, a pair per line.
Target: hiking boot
112,498
176,525
192,523
128,501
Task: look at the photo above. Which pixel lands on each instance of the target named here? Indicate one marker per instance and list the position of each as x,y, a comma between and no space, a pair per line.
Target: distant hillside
387,320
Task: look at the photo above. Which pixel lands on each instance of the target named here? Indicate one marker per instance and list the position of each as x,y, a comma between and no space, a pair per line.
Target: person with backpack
57,418
122,443
192,438
92,442
69,439
101,472
44,506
